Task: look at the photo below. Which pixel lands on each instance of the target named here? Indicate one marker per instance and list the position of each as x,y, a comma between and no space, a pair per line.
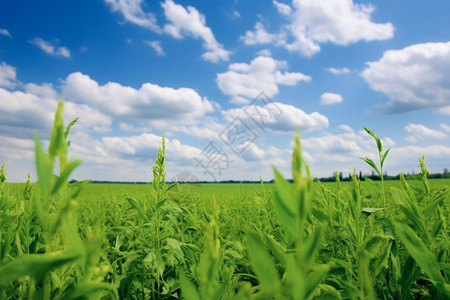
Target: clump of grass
289,240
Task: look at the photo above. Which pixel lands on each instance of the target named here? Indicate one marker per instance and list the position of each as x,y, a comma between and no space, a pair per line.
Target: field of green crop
286,240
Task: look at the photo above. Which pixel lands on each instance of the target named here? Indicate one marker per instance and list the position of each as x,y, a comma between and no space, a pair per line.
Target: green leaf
277,250
384,157
437,200
188,290
315,278
68,169
421,254
382,258
410,209
138,207
311,246
69,126
377,139
56,145
371,245
2,174
370,132
34,265
44,173
82,290
371,163
284,204
262,263
370,210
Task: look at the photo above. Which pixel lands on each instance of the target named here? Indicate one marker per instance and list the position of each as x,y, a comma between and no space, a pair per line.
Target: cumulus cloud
311,23
50,49
145,146
190,21
133,13
265,52
445,110
445,127
278,117
24,112
260,36
282,8
419,132
338,71
261,75
342,149
406,159
5,32
151,104
156,45
333,144
330,98
7,76
414,78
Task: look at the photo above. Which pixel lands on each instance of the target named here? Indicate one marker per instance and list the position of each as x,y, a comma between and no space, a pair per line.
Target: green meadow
294,239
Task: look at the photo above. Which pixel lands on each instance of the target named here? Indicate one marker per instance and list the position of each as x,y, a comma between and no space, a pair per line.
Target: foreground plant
52,261
382,156
426,242
302,275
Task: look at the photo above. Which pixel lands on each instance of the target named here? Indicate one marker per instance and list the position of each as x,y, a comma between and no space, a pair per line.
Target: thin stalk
382,183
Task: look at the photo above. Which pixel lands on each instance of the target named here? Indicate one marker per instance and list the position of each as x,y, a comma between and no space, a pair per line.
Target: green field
285,240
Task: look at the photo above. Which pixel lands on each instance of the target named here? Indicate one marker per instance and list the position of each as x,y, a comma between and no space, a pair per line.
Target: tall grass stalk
382,156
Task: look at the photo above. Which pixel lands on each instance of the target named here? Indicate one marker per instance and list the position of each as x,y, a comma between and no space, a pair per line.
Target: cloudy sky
228,83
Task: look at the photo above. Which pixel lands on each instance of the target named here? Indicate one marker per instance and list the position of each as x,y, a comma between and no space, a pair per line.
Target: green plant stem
382,183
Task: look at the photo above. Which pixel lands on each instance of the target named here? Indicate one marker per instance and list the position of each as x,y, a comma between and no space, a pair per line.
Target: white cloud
445,110
265,52
338,71
191,22
90,118
145,146
261,36
7,76
330,98
50,49
445,127
342,150
33,109
5,32
156,45
208,130
335,144
414,78
312,23
253,153
406,159
419,132
150,104
261,75
278,117
25,111
282,8
133,13
126,127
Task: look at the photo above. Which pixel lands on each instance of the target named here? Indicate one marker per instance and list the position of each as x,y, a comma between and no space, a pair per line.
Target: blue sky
228,83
